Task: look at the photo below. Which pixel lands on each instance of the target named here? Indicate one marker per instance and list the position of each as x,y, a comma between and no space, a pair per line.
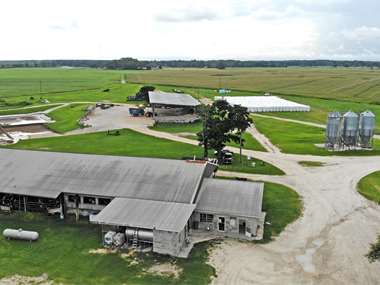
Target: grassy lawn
128,143
131,143
67,118
63,253
321,107
300,139
254,166
282,205
190,130
369,187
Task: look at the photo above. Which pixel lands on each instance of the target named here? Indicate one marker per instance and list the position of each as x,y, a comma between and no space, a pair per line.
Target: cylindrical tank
333,129
142,235
367,128
350,128
20,234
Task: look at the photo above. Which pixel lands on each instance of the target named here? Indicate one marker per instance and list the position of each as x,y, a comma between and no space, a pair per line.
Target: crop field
28,87
353,84
30,82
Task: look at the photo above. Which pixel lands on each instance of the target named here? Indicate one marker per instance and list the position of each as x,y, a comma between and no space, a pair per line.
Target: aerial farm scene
192,154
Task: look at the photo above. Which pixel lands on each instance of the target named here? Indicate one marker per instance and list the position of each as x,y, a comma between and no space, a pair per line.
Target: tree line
135,64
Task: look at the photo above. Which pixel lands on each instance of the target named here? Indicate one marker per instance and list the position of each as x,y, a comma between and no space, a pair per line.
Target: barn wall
169,243
231,225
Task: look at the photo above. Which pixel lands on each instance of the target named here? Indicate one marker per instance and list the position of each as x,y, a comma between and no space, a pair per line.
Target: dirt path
326,246
263,140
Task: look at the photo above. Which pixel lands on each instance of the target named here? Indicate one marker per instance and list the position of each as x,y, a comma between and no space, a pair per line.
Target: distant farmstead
158,203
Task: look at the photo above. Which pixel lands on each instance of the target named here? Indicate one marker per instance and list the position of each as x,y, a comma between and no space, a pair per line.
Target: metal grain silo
350,128
333,129
367,128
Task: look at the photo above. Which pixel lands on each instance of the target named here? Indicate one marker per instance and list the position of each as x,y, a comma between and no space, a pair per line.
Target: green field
21,87
27,110
301,139
354,84
36,81
67,118
282,205
190,130
131,143
369,187
63,252
321,107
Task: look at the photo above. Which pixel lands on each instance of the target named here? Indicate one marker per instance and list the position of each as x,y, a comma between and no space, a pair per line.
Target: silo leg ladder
135,239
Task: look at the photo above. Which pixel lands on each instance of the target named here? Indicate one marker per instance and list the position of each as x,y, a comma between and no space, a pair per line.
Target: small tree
143,93
374,253
240,121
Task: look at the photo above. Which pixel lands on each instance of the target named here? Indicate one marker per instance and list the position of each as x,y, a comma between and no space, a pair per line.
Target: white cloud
242,29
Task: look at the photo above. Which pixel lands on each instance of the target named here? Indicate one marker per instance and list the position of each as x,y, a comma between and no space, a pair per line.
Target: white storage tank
142,234
20,234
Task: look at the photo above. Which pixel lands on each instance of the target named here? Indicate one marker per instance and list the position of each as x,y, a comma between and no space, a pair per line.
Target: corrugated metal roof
47,174
175,99
231,197
165,216
265,103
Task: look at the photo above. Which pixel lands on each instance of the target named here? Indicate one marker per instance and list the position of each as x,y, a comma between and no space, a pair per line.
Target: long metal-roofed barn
156,201
172,99
173,107
259,104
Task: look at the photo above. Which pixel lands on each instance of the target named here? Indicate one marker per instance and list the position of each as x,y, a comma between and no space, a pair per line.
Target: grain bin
367,128
333,129
20,234
350,128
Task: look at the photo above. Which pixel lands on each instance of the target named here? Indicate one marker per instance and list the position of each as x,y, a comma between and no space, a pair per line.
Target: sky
190,29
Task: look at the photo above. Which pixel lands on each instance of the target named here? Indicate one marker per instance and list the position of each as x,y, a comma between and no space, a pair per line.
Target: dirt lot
116,117
325,246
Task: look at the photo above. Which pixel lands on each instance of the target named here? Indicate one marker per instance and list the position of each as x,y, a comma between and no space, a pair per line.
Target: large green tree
222,123
240,122
216,132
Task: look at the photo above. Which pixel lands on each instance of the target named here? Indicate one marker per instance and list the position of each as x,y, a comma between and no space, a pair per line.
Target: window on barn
89,200
71,198
206,218
104,201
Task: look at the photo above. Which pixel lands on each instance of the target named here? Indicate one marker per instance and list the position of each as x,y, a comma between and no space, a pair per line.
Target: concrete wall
168,242
231,225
